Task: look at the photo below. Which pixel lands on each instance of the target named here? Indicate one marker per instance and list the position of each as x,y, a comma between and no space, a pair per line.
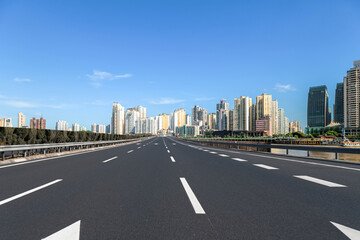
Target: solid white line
194,201
205,150
29,191
239,159
352,234
172,158
213,152
168,151
265,166
110,159
223,155
320,181
130,151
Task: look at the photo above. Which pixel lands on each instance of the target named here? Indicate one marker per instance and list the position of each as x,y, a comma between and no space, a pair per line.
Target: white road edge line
285,159
172,158
110,159
194,201
29,191
239,159
265,166
319,181
130,151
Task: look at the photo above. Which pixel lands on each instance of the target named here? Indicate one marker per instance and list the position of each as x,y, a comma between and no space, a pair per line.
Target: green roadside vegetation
18,136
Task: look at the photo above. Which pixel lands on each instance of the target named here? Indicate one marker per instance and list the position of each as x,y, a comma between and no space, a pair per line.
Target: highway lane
168,190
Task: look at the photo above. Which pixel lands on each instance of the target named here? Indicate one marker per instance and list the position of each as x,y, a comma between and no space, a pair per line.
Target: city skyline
107,60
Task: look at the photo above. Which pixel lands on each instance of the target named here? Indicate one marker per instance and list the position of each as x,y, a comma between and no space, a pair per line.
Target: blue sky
71,60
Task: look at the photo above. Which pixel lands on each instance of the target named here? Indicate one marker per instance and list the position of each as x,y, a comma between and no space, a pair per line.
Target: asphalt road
164,188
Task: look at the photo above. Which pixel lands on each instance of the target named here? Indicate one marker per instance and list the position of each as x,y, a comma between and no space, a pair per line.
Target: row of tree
16,136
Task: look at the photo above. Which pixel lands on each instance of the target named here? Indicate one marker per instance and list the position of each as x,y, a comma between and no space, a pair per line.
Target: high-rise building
142,112
117,119
263,105
83,129
222,115
38,123
188,120
211,120
287,125
7,122
75,127
2,122
93,127
179,118
352,97
21,120
281,121
62,125
100,128
231,119
132,123
339,104
295,127
242,113
165,121
318,111
274,116
199,116
253,117
108,128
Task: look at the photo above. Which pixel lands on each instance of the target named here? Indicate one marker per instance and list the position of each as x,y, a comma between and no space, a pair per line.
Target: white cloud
22,80
18,104
2,96
98,77
284,87
166,101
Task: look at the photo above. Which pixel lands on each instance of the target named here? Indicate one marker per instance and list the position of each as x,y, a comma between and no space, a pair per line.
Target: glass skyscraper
318,112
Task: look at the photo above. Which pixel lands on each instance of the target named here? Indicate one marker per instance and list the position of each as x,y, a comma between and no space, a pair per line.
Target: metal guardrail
28,149
258,146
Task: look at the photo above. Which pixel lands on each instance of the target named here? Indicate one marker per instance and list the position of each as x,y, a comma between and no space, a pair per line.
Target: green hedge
16,136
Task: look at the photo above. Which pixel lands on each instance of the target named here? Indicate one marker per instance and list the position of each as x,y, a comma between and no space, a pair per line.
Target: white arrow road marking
29,191
130,151
223,155
172,158
239,159
320,181
265,166
110,159
71,232
194,201
349,232
155,143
